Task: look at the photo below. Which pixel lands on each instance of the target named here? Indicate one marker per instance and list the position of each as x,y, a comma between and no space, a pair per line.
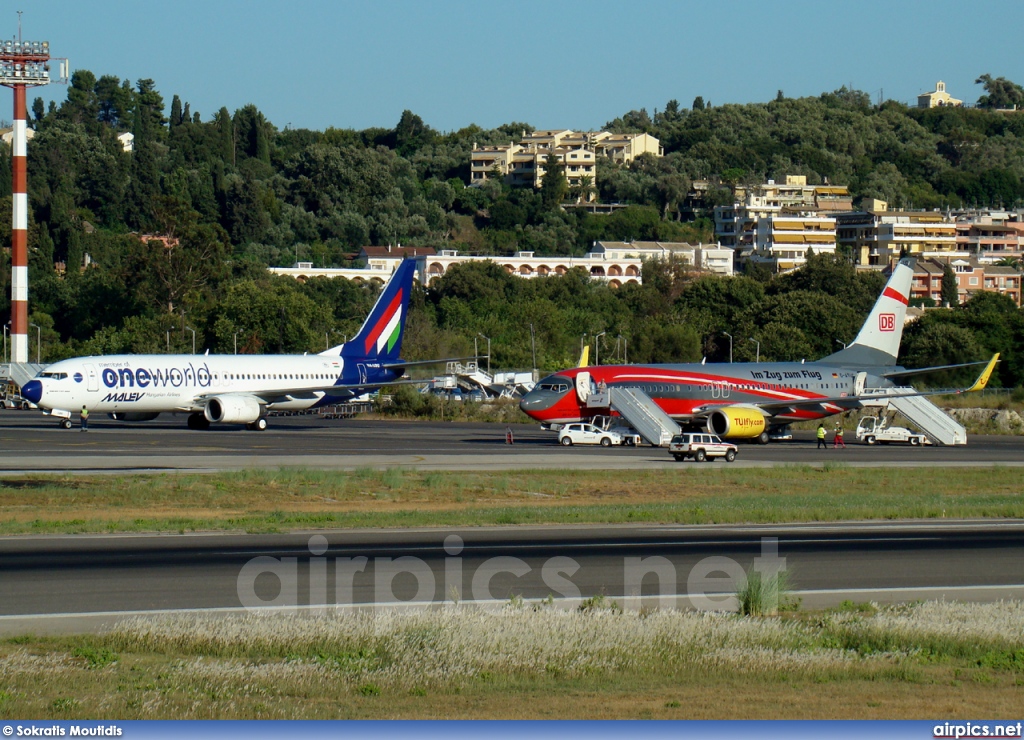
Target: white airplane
237,389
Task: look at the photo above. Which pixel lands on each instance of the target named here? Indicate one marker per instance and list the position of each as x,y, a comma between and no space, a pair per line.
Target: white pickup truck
876,430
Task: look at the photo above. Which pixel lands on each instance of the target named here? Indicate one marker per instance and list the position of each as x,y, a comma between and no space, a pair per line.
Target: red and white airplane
751,400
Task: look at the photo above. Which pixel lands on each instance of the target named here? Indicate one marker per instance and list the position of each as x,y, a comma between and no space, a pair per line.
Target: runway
33,443
92,580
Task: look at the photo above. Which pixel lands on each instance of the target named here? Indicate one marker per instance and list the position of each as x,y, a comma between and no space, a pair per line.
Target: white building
704,257
784,240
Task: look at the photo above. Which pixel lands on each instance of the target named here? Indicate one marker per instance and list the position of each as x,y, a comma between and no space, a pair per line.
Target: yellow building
523,164
938,98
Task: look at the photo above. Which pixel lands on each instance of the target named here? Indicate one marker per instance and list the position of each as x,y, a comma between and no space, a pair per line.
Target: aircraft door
583,387
92,380
362,372
858,383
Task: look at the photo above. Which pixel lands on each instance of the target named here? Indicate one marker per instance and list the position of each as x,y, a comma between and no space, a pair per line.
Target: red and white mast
23,64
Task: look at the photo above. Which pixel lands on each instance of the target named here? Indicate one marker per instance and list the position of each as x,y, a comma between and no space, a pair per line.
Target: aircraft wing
278,395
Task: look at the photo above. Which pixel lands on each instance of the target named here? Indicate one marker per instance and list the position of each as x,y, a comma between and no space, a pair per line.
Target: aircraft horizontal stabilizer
440,361
777,407
933,369
985,376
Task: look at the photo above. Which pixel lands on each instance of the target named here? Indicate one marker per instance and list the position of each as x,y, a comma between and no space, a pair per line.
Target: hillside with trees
231,193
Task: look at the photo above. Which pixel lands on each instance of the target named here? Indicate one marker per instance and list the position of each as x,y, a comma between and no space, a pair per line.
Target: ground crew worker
85,419
838,441
821,436
508,436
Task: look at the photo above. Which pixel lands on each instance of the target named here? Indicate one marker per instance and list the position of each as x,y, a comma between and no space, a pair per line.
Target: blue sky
572,64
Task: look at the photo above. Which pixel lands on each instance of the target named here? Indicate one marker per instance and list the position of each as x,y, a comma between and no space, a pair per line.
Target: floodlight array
25,48
24,72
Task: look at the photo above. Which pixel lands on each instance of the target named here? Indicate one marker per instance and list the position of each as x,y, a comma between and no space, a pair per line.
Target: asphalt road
826,563
30,442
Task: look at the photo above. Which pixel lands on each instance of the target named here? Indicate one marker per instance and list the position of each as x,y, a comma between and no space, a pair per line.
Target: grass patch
289,499
535,662
761,595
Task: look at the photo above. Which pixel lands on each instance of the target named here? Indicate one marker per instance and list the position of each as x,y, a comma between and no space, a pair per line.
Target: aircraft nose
534,401
32,391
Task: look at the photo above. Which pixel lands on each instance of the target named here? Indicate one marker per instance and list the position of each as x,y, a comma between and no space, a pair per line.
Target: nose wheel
257,426
65,424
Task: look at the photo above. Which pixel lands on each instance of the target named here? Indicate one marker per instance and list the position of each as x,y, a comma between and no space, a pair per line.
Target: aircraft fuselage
683,390
163,383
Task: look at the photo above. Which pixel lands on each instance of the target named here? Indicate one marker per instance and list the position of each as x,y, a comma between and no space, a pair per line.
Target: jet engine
134,415
232,409
737,422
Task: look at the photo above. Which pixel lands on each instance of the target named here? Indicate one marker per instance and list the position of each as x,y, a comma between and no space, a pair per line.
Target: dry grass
262,500
535,662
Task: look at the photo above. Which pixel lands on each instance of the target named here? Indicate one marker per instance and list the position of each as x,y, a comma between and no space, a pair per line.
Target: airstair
643,414
469,376
933,422
19,373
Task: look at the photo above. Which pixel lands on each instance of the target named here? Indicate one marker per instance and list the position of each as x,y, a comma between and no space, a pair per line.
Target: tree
698,103
149,133
1000,93
411,134
553,187
175,111
950,290
115,100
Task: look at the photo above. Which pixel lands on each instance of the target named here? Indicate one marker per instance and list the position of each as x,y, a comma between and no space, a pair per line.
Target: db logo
887,322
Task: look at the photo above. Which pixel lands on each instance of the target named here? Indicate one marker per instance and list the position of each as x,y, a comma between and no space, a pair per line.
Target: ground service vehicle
874,429
583,433
701,446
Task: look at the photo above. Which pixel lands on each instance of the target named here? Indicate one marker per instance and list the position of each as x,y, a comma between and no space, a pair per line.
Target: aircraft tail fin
380,337
878,342
584,357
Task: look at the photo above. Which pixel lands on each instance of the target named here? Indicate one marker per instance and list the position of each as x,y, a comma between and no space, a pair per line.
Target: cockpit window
553,385
53,376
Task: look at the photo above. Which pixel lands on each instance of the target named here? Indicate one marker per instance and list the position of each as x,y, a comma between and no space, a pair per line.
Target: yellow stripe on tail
584,357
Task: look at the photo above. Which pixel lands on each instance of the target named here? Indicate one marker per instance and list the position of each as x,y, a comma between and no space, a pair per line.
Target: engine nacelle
232,409
737,422
134,415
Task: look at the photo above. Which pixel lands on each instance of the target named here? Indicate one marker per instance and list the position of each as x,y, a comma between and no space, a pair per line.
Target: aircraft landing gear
65,424
257,426
198,422
762,438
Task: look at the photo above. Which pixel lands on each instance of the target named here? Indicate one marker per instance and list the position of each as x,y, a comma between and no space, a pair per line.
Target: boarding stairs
19,373
643,414
933,422
503,384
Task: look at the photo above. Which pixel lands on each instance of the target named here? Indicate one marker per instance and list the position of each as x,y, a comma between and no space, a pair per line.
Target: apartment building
624,148
991,236
876,236
523,164
783,240
736,224
972,277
